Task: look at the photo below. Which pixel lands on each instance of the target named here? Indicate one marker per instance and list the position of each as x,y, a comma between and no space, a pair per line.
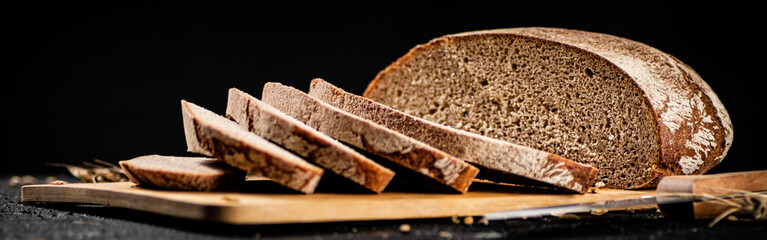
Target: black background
103,80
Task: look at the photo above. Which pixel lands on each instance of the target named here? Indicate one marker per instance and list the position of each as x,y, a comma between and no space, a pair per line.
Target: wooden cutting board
262,204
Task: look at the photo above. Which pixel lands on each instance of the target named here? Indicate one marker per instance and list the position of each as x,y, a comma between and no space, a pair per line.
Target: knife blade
672,191
606,205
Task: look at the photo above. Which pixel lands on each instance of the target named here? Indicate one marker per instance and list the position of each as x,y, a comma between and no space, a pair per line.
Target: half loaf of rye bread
213,135
273,125
183,173
632,111
366,135
497,156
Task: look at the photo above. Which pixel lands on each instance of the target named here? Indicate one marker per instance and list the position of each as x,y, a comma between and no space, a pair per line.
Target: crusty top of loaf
695,129
689,112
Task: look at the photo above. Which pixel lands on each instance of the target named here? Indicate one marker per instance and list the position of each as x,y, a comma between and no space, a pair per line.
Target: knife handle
714,184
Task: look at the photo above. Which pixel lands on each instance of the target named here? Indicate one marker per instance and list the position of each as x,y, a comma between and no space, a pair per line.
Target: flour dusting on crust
687,107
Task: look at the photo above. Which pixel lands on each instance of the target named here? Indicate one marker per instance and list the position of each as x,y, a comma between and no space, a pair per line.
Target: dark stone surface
103,80
74,221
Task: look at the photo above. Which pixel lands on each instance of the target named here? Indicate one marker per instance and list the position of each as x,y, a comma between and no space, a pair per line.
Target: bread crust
695,131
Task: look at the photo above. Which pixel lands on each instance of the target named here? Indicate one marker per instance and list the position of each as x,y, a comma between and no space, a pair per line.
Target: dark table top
76,221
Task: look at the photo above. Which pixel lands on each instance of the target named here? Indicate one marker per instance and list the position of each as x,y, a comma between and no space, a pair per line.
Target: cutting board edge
250,214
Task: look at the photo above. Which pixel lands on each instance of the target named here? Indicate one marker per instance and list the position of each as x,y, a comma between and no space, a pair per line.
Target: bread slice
183,173
487,153
635,113
210,134
366,135
273,125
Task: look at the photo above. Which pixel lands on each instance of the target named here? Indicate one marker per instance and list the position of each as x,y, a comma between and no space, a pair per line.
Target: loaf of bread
409,153
213,135
182,173
634,112
273,125
495,158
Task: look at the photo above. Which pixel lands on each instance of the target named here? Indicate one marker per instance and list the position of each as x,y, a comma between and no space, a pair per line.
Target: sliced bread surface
630,110
182,173
499,156
366,135
275,126
211,134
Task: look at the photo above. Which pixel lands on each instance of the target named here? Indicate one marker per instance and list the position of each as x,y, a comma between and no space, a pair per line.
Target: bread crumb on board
455,219
596,187
599,185
404,228
598,212
468,220
484,221
566,216
58,182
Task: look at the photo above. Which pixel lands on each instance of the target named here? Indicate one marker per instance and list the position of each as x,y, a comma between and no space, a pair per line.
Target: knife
676,197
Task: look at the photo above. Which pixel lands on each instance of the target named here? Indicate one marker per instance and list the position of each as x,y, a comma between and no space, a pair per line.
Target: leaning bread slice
631,110
391,145
273,125
495,155
210,134
183,173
